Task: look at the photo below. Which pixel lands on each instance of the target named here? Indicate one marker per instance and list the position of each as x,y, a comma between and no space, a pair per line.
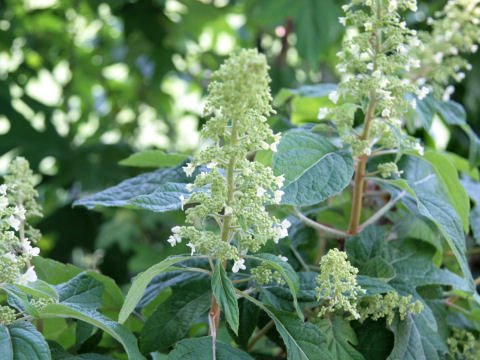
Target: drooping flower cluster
338,284
374,63
454,30
232,190
17,205
387,305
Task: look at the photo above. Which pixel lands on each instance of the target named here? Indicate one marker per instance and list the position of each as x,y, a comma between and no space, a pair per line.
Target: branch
259,335
320,227
382,211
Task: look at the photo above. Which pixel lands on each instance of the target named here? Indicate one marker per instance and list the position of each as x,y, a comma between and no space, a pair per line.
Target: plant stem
382,211
357,197
320,227
214,314
259,335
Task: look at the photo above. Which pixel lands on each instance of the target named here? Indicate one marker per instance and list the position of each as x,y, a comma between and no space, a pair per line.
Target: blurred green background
84,84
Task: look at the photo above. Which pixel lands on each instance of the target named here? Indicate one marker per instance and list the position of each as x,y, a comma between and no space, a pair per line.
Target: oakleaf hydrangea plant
387,259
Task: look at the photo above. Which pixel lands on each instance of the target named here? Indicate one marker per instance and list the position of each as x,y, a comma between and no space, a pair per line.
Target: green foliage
343,224
305,183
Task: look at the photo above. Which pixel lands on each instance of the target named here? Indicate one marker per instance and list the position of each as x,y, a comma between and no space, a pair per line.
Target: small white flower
403,25
3,202
260,191
322,113
283,258
370,66
386,113
14,222
419,148
278,196
174,239
264,145
190,187
364,56
334,96
285,224
384,82
469,67
355,48
438,57
392,5
474,48
415,41
228,210
182,201
423,92
273,146
29,250
247,171
342,20
421,81
454,51
377,74
279,180
415,63
192,247
189,169
341,68
20,211
3,189
10,257
448,92
460,76
238,265
29,276
213,164
401,49
413,104
368,26
171,240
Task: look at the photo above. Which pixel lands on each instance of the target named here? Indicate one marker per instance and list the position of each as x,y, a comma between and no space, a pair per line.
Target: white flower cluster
374,64
233,191
17,203
454,30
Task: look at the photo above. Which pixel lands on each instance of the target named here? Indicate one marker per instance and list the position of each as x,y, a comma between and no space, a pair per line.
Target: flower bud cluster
7,315
374,62
338,284
234,190
265,274
41,303
387,169
380,306
17,204
454,30
463,345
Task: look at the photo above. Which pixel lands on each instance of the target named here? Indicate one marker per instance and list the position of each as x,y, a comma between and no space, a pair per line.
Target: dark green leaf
452,112
21,341
319,171
140,283
304,341
226,297
172,319
158,191
341,338
202,349
412,342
